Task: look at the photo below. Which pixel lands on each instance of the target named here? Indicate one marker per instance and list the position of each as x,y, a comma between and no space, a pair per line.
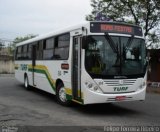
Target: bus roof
68,29
53,33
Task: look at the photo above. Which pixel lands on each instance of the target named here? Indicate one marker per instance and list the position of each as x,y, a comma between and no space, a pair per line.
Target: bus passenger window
61,51
19,53
39,52
48,46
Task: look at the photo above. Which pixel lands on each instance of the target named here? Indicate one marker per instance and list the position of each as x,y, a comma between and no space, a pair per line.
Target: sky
22,17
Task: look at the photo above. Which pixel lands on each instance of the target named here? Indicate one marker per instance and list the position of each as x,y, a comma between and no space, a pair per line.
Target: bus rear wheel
26,82
61,95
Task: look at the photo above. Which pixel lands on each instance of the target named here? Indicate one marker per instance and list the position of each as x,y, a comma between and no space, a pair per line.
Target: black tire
61,95
26,83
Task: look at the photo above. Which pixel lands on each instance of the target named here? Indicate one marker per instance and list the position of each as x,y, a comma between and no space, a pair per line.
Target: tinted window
48,49
61,53
62,47
29,53
25,48
19,49
19,53
52,48
50,43
39,52
63,40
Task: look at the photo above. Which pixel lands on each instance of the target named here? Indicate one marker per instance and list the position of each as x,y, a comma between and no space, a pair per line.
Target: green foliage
20,39
145,13
1,44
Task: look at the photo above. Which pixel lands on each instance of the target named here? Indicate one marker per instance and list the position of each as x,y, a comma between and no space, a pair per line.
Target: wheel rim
62,94
26,82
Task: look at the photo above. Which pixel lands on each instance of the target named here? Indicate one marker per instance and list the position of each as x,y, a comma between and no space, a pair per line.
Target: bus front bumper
91,97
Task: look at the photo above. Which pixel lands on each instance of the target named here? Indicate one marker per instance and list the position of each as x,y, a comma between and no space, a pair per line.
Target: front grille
126,82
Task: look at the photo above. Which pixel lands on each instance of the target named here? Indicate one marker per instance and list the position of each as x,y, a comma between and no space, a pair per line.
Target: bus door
76,68
33,63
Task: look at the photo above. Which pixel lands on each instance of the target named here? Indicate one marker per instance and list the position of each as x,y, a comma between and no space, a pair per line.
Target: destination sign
115,28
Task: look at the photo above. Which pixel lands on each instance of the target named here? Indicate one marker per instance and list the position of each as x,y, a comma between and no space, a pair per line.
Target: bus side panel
21,67
55,72
45,74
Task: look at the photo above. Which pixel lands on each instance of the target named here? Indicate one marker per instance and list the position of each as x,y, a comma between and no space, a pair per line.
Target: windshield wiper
130,40
115,50
111,43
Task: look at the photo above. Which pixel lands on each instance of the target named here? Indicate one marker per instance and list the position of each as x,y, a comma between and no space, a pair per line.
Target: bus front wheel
61,95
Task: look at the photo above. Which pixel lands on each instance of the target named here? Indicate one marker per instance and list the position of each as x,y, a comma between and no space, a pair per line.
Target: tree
145,13
20,39
1,45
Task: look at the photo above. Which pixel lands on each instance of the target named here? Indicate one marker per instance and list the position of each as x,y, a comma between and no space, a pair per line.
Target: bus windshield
115,57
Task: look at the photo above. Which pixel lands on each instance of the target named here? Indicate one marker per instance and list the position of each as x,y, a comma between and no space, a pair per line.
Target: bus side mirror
84,42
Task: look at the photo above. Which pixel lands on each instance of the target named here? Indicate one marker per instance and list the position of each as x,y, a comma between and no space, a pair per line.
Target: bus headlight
90,85
93,87
142,85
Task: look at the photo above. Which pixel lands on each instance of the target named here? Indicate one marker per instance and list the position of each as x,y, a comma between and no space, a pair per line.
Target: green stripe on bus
69,97
43,72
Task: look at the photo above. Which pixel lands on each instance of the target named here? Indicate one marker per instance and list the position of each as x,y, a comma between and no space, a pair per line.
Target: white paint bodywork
133,93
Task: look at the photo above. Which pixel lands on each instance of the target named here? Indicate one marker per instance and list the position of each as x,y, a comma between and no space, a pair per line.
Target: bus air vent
126,82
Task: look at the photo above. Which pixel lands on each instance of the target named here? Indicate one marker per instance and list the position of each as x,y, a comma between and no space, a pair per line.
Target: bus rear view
114,63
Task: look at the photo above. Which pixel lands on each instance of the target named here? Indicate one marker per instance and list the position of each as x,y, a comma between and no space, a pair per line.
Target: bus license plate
120,98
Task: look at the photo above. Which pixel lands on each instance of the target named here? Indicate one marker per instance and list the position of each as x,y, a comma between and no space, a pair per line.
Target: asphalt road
19,107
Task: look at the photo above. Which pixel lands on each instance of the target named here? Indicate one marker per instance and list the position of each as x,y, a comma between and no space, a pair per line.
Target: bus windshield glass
115,57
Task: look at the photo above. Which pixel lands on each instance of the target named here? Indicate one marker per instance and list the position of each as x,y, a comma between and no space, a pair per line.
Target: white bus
96,62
